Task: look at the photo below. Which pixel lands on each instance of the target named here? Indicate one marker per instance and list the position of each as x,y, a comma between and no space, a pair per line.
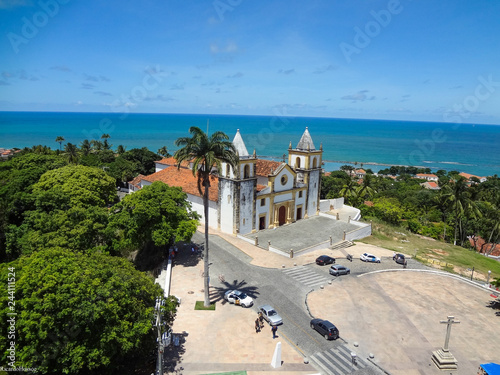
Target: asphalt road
266,286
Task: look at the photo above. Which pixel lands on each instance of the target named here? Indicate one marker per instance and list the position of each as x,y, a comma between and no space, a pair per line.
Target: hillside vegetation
457,258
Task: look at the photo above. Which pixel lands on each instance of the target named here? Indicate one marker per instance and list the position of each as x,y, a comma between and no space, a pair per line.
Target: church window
246,171
314,162
243,199
300,194
263,202
284,179
297,162
243,221
228,170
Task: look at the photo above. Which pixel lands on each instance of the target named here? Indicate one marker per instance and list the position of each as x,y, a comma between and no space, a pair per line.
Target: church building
259,194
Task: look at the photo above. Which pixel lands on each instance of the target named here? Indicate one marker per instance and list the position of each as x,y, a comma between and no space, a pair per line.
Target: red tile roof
184,178
136,181
172,161
432,185
264,167
468,176
425,175
261,187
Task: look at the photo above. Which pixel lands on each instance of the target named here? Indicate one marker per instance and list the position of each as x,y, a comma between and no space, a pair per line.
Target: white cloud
360,96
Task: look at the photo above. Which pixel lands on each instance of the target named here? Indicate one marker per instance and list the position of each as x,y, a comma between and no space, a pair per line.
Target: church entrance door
299,213
282,215
262,222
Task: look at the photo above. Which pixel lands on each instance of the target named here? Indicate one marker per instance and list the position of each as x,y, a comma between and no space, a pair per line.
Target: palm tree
105,143
60,139
96,145
163,152
120,149
85,147
205,152
71,152
456,196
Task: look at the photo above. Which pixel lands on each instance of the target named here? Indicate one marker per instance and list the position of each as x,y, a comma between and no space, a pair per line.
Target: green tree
105,143
155,215
60,140
71,153
80,314
456,196
120,149
206,152
144,159
85,147
72,186
163,152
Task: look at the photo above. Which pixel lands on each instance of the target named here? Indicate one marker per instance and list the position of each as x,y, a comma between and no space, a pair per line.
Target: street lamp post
488,281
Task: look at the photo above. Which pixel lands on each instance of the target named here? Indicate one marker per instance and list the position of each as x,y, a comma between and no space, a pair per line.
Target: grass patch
403,241
200,305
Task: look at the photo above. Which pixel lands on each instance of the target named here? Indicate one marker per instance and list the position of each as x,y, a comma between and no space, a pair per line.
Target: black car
325,328
324,259
399,258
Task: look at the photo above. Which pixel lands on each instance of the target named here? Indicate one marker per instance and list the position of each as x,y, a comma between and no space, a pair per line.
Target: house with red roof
427,176
258,194
471,178
431,185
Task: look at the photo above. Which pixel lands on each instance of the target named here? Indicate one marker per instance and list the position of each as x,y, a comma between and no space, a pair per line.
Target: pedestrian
257,325
274,329
261,320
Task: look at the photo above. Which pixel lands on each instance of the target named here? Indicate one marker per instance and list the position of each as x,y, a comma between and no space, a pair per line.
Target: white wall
289,183
282,197
227,211
314,181
197,204
246,207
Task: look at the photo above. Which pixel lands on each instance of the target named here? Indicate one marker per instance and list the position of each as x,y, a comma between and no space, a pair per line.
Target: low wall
362,232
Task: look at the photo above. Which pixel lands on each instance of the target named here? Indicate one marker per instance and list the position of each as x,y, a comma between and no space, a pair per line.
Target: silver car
337,270
270,314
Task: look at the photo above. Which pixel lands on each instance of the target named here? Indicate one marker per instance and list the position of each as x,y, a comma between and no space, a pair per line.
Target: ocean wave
448,162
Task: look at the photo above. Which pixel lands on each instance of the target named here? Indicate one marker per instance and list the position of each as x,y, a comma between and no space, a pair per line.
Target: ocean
374,143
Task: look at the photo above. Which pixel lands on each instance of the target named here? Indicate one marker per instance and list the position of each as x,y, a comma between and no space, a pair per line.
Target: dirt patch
439,251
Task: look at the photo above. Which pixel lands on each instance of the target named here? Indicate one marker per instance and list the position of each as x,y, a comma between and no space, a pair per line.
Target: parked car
337,270
366,257
325,328
324,259
399,258
270,315
238,298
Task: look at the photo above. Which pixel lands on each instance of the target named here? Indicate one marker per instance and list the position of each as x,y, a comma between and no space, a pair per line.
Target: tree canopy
80,314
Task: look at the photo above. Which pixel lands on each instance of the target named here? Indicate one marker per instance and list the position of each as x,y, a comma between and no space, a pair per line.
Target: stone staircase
341,246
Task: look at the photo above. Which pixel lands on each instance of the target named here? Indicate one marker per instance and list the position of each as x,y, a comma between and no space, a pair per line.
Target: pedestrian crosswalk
338,361
307,276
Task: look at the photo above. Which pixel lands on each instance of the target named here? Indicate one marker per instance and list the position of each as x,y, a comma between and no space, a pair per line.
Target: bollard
291,253
343,236
269,245
349,220
256,240
338,216
331,241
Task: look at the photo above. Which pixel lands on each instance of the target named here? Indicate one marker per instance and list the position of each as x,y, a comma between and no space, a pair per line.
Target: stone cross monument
443,358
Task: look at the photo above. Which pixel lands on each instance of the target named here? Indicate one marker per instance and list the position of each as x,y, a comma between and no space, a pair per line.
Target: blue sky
399,60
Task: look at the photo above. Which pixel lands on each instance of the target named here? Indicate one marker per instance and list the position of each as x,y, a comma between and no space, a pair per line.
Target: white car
238,298
366,257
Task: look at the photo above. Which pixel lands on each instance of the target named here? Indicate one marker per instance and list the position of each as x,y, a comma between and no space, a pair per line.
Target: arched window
297,162
246,171
228,170
314,162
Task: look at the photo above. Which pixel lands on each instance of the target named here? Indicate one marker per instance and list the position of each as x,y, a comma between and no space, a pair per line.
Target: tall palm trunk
205,257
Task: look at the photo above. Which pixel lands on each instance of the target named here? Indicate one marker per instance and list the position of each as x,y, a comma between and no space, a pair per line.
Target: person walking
274,329
257,325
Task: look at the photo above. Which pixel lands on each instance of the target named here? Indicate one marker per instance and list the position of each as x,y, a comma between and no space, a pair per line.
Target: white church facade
258,194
